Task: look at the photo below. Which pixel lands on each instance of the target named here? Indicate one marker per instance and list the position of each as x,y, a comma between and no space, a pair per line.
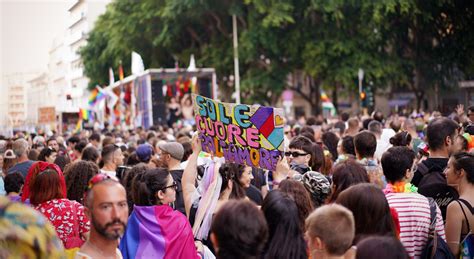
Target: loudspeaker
158,104
205,87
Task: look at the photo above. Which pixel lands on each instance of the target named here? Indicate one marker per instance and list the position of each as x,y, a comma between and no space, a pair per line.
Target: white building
37,95
16,99
57,71
82,16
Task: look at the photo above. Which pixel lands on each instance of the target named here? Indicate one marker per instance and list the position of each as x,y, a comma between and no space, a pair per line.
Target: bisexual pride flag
158,232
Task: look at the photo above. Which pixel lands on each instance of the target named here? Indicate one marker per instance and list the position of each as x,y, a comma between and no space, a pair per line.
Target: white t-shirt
109,173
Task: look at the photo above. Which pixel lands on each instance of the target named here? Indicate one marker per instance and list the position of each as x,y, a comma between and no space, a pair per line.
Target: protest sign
245,134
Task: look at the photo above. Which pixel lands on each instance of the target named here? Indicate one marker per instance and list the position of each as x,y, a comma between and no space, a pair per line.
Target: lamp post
236,59
360,74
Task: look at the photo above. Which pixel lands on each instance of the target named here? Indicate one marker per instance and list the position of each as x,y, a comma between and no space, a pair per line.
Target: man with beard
171,155
106,207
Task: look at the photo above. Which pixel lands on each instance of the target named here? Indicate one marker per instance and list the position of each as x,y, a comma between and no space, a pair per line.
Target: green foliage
403,43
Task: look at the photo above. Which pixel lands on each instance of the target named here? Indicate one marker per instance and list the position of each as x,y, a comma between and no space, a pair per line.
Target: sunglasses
173,186
295,154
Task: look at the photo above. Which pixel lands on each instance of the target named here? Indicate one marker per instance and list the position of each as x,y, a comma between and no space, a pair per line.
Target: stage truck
143,98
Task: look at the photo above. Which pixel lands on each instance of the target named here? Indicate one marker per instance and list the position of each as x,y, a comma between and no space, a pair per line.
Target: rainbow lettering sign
243,134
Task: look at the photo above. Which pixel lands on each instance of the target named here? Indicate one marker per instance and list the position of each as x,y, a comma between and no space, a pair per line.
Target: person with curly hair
77,176
127,181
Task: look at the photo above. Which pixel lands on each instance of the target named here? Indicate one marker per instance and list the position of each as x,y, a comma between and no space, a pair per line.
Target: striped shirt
414,215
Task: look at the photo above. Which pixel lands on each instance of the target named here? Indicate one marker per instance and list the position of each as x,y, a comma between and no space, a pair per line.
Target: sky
28,28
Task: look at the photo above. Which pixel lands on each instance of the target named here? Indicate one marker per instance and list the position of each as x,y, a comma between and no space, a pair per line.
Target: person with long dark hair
239,231
285,238
346,174
460,213
154,227
368,205
301,197
376,247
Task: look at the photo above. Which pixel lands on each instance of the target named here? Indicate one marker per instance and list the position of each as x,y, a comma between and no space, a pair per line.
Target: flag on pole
83,114
78,125
120,71
96,96
93,96
137,64
112,98
111,76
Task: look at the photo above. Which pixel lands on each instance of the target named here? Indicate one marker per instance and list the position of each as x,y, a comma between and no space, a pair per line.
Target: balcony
75,38
73,4
76,19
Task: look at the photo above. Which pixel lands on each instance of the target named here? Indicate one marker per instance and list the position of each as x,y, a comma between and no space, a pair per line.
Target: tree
405,44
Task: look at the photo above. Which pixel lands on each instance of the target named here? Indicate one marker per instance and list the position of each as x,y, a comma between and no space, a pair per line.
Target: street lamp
236,59
361,77
360,74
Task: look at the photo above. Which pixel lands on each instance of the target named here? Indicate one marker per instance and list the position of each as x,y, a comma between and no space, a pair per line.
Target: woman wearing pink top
413,208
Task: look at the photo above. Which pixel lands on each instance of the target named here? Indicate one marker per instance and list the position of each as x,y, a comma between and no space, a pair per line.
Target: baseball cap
144,152
175,149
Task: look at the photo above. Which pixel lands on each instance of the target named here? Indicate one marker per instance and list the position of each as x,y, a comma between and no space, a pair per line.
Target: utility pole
236,60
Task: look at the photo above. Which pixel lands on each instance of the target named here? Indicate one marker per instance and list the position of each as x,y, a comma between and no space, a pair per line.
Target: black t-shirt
254,194
179,203
259,178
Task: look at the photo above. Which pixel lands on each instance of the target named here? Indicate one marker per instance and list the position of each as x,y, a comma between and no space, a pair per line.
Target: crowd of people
349,187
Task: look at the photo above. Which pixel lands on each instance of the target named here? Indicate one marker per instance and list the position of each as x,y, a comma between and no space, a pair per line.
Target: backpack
436,247
433,184
466,247
432,175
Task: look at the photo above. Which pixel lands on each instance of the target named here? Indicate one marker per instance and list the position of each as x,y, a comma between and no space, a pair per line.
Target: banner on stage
244,134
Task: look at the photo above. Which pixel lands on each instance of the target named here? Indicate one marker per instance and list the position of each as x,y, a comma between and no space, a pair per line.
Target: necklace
400,187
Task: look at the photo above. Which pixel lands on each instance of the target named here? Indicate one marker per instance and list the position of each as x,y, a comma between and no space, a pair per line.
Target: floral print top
60,213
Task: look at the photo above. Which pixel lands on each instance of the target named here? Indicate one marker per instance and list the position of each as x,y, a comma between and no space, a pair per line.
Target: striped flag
120,71
111,76
83,114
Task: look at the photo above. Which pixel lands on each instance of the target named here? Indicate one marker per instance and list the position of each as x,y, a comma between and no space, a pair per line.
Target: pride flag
120,71
158,232
78,125
93,96
96,96
84,114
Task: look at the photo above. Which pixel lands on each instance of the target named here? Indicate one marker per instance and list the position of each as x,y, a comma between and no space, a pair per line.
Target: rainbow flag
83,114
78,125
96,96
158,232
93,96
